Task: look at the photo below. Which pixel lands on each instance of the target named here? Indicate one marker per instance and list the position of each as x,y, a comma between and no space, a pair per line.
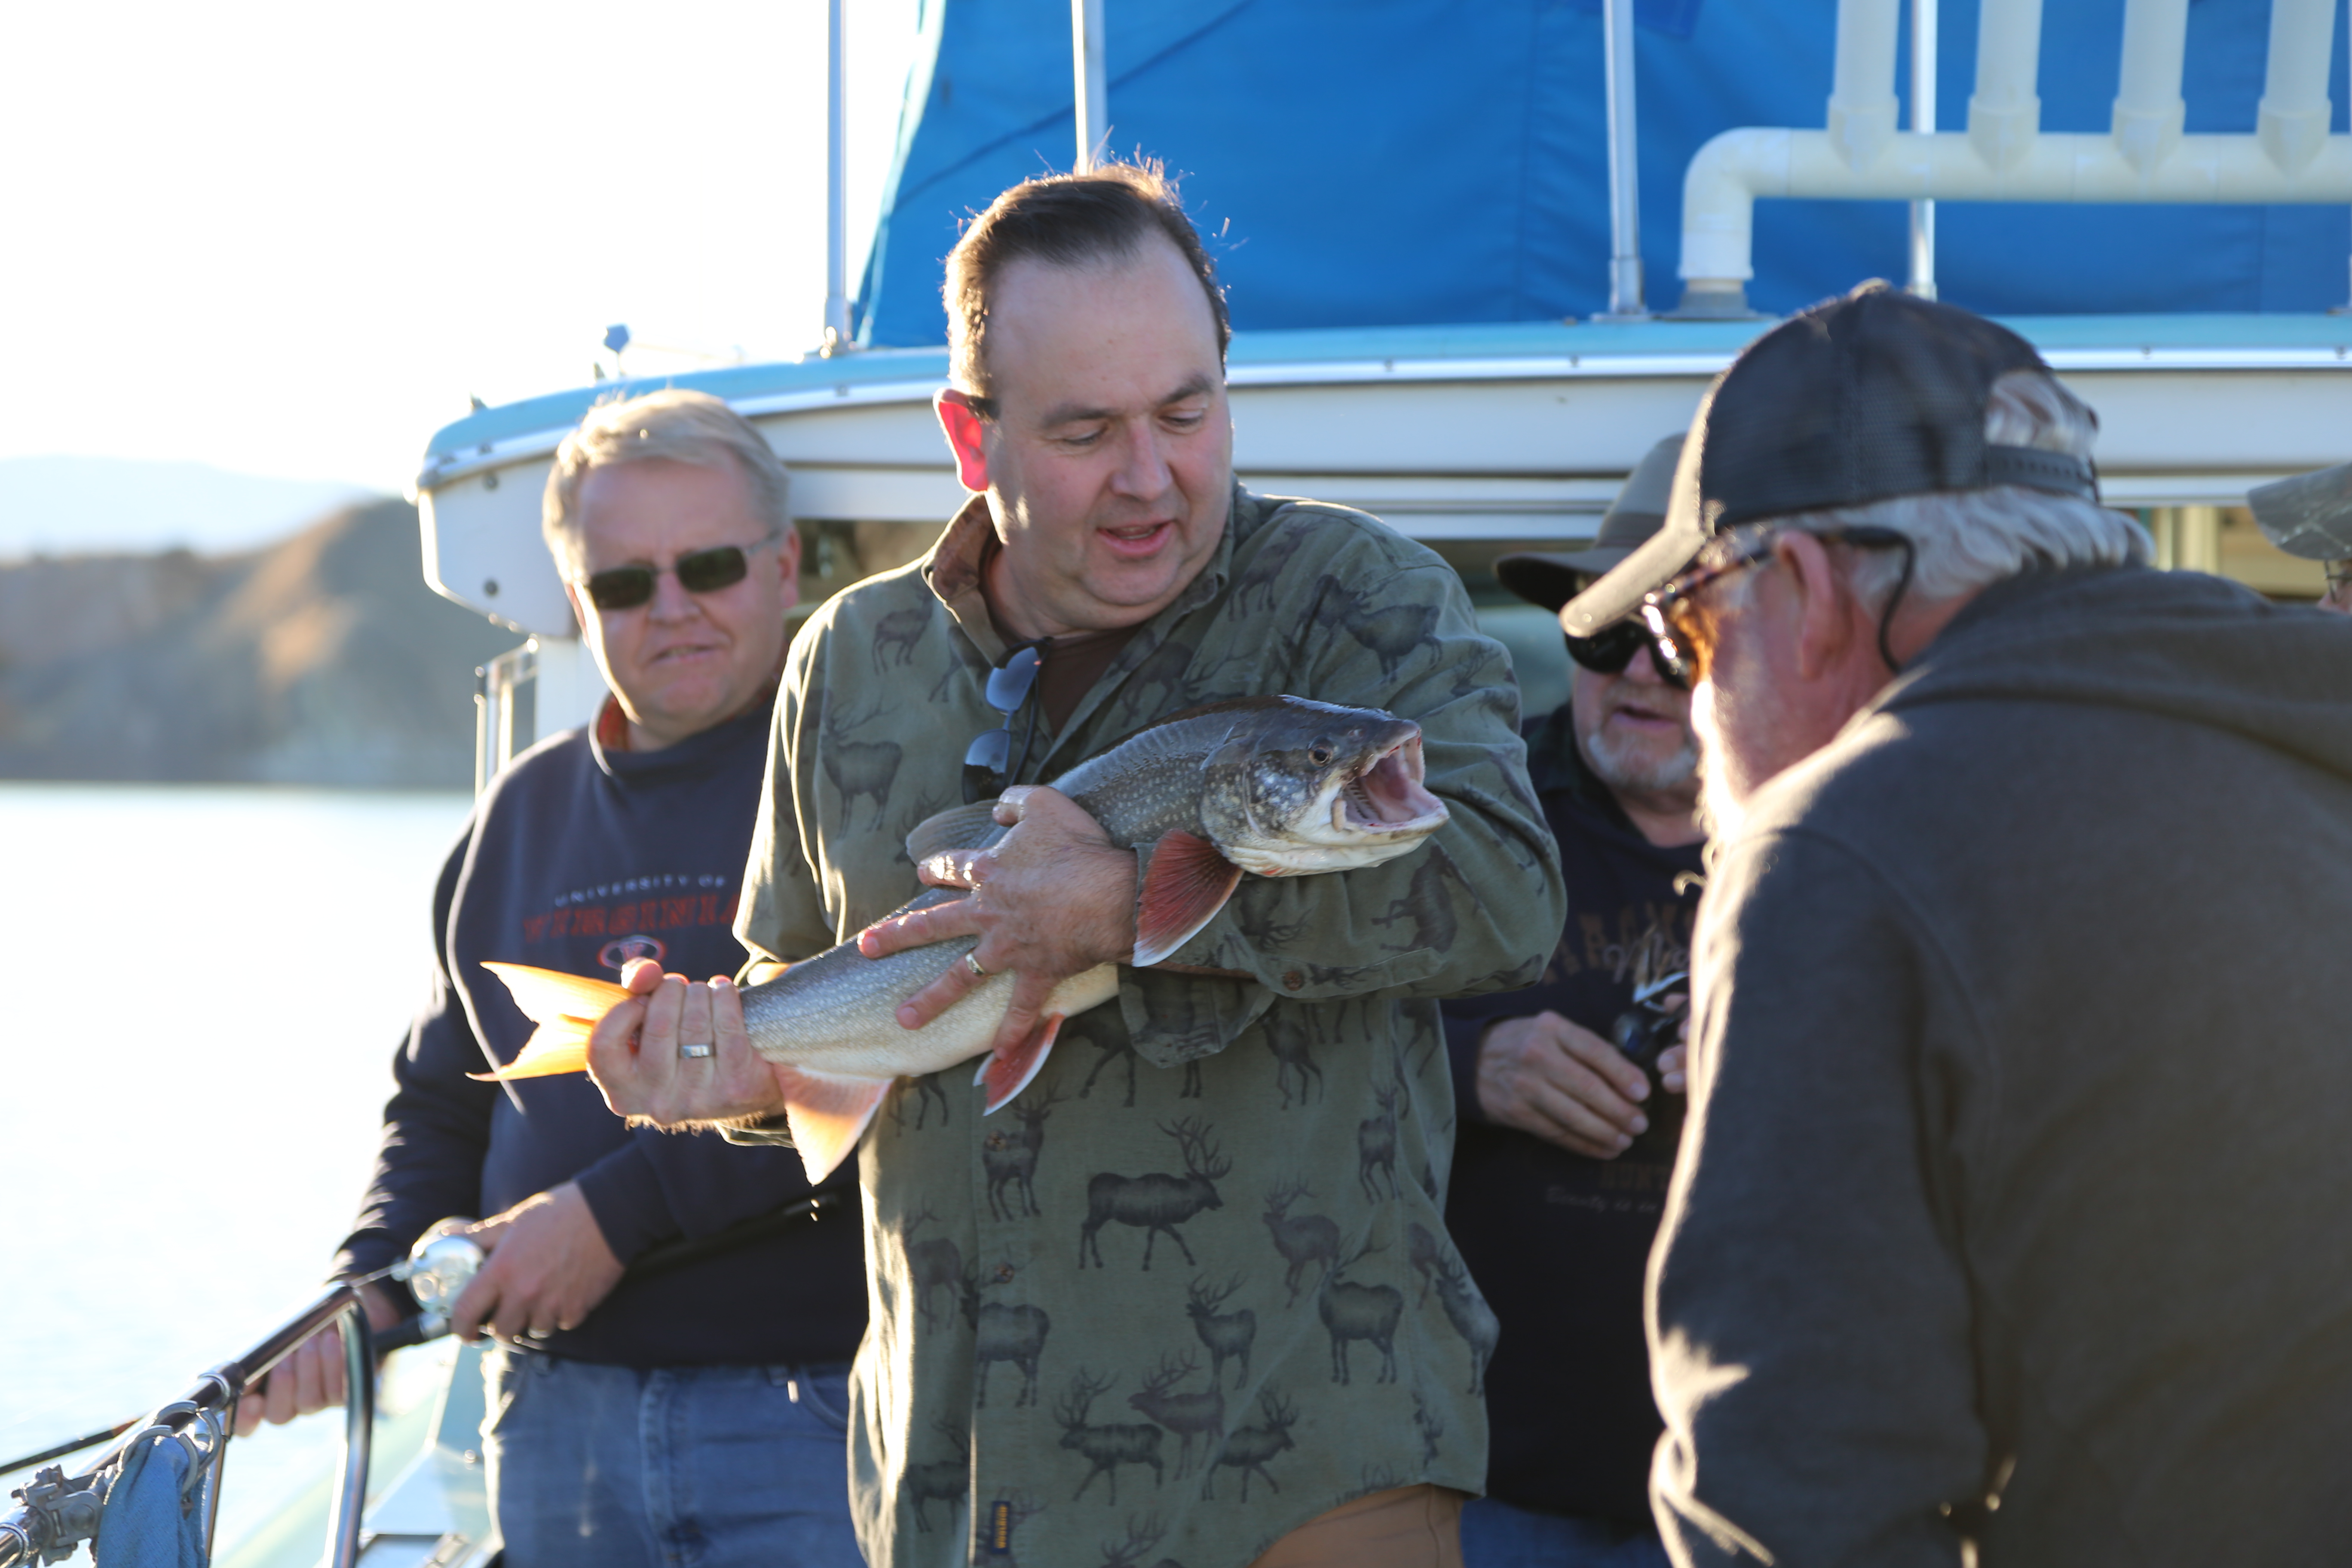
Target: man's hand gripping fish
1275,787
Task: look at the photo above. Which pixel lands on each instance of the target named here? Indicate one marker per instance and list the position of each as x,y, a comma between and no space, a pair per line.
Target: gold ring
971,961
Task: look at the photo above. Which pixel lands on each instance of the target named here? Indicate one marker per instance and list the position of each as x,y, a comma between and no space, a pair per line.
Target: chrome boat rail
56,1512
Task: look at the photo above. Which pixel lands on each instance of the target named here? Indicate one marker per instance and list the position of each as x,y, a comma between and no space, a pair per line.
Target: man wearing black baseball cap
2012,1198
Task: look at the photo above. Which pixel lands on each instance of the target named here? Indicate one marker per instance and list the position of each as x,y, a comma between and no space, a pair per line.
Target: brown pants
1404,1527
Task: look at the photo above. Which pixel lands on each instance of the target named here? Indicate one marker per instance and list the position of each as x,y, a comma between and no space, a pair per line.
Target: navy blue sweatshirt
1558,1242
579,859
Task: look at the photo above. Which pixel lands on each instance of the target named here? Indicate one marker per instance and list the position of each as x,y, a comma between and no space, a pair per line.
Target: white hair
674,424
1970,539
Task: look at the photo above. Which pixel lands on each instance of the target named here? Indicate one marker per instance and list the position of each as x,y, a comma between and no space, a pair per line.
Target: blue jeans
1498,1535
699,1467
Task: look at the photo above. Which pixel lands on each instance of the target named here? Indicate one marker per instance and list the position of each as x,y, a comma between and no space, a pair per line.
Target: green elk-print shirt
1193,1287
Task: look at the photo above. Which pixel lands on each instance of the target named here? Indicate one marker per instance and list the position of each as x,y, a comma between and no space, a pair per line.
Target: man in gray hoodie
2013,1207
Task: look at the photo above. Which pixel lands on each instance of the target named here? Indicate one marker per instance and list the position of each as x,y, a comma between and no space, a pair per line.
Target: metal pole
1086,70
1625,164
836,222
358,1432
1922,123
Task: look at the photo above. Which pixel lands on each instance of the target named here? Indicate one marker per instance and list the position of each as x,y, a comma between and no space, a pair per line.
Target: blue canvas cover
1373,163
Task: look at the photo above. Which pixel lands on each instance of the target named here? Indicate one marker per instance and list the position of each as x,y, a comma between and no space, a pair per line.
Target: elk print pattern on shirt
856,768
1002,1332
1250,1448
1352,1311
1012,1156
1105,1447
1156,1203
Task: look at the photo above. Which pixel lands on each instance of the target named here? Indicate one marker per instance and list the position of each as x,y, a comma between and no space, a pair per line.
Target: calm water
207,989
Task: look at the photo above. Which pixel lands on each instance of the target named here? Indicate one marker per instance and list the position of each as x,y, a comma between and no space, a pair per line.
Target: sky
292,239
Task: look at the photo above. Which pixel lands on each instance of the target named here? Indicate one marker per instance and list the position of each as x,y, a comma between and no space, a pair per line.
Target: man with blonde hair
694,1411
2008,1225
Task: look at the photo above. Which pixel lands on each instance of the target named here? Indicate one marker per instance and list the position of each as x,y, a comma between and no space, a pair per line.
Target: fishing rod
54,1511
436,1272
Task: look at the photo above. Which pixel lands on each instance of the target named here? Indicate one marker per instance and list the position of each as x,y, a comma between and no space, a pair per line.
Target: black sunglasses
1609,650
1682,637
990,763
704,572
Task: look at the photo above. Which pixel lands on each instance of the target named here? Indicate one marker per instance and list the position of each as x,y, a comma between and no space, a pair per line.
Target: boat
1442,317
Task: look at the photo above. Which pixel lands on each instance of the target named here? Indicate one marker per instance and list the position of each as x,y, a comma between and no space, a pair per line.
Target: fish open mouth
1386,797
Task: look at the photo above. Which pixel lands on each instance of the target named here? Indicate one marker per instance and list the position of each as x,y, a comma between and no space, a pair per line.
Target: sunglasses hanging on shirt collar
992,761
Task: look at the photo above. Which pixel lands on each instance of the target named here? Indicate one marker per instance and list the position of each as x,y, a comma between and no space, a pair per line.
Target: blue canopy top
1425,160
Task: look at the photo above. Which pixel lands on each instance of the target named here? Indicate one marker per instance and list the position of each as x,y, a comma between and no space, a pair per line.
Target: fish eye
1319,753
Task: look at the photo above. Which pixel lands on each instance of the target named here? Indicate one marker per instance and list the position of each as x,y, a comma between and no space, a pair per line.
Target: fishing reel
1650,1025
436,1271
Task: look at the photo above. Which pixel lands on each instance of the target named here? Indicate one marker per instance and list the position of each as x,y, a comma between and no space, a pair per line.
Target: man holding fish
1204,966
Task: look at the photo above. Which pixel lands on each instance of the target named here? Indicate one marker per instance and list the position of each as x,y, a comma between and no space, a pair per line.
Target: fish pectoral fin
1007,1074
547,995
558,1046
827,1113
959,828
1189,882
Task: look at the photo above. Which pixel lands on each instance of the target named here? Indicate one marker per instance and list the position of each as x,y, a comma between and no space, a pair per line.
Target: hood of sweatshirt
2198,649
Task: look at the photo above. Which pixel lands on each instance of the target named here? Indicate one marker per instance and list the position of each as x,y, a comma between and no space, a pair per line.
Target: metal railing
498,686
55,1512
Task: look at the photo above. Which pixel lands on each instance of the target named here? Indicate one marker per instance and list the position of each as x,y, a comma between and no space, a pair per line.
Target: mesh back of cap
1872,396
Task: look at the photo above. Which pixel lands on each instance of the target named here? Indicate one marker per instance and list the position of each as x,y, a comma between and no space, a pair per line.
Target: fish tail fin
559,1046
828,1114
1006,1075
546,995
566,1007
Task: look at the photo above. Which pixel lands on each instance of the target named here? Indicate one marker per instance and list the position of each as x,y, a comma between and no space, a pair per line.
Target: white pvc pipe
2292,120
1731,171
2149,108
1086,70
2005,113
1862,92
1624,162
837,221
1923,122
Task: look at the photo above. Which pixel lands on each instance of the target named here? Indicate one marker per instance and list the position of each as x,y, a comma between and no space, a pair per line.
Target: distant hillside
323,660
81,506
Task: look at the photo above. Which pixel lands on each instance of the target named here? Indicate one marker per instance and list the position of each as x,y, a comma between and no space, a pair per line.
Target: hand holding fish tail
635,1053
1051,900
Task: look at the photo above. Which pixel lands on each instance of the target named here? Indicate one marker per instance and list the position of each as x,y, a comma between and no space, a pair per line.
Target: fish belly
837,1013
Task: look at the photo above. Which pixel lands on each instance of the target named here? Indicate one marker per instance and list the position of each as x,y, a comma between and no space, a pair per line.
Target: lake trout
1271,787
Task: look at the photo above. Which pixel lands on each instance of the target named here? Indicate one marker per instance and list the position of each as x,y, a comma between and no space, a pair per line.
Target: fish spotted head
1301,786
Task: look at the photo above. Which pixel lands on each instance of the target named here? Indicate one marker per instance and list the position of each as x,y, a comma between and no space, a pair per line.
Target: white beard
1725,786
1625,772
1721,810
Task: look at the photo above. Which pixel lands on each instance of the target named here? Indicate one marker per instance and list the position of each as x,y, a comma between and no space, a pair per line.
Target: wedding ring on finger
971,961
695,1053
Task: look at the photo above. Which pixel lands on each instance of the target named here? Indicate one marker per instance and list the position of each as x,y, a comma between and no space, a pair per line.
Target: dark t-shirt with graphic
1558,1242
579,857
